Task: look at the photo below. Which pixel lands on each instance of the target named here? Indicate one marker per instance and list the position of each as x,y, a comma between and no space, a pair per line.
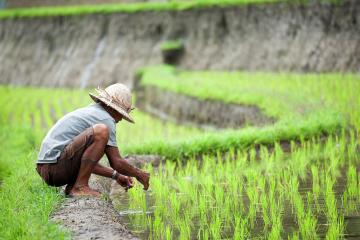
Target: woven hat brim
125,115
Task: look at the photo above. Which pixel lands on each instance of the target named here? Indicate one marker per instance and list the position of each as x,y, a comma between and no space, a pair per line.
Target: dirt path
90,218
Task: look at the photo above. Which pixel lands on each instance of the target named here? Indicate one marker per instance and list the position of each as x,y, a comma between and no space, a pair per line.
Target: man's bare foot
144,178
84,191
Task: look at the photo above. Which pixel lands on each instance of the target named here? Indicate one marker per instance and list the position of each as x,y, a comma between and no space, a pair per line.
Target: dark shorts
66,169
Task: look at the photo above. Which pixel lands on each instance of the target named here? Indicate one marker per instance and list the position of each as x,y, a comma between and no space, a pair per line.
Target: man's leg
89,159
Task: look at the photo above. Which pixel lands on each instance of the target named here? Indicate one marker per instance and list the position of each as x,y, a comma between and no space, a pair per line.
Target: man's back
71,125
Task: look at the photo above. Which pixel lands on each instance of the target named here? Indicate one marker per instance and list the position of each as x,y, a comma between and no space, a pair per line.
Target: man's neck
108,109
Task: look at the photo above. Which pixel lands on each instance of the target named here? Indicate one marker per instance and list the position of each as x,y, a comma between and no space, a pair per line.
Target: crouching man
71,150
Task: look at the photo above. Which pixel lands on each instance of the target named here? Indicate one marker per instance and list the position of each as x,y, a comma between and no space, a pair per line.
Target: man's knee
101,132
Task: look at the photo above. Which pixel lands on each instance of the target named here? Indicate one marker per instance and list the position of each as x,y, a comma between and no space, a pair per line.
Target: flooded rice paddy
311,192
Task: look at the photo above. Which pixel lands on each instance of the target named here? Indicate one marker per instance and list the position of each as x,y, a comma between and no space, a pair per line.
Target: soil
141,160
92,218
205,114
92,50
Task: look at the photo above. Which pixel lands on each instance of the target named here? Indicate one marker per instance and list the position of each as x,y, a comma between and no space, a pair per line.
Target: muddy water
136,220
121,202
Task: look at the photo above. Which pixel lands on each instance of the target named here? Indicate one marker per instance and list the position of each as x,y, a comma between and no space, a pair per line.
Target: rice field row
310,193
40,108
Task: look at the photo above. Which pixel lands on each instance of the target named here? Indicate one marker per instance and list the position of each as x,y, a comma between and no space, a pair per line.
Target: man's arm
103,171
120,164
123,167
108,172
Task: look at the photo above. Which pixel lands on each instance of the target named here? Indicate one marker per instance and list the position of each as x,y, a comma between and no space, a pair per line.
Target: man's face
118,117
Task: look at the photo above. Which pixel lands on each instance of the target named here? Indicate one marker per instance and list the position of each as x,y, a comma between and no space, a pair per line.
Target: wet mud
206,114
96,218
91,218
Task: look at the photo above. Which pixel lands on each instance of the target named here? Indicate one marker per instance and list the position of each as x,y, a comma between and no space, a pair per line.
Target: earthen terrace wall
91,50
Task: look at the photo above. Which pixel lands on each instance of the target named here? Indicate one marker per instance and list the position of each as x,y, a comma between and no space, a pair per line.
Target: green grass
26,202
278,95
175,5
125,8
171,45
292,129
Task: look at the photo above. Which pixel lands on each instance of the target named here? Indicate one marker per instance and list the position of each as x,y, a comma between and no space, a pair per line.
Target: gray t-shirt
71,125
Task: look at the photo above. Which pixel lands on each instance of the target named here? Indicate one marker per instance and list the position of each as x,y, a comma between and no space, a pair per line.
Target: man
72,148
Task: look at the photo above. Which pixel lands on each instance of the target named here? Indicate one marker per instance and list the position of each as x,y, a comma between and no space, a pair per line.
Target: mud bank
188,110
91,218
91,50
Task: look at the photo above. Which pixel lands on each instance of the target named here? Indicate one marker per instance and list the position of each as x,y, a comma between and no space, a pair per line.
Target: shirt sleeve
112,132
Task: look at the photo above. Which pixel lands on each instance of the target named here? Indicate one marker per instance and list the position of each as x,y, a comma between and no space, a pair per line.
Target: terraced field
297,178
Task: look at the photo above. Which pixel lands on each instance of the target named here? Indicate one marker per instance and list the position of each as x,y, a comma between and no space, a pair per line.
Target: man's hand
124,181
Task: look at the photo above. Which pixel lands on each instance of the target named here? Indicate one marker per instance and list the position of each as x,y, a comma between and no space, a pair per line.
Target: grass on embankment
26,202
125,8
177,5
317,124
278,95
306,105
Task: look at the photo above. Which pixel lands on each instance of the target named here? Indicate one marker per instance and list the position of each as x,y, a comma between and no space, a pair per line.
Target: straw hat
116,96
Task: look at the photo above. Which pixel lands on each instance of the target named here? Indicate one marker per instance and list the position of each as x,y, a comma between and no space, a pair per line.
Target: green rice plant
335,230
315,184
336,222
352,146
175,204
150,226
264,206
168,233
215,227
241,228
276,208
351,195
157,225
294,236
184,229
203,233
305,218
253,204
